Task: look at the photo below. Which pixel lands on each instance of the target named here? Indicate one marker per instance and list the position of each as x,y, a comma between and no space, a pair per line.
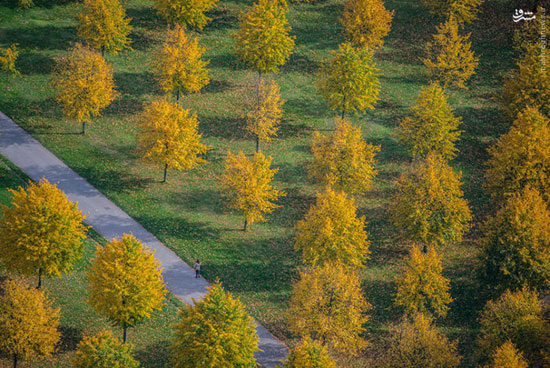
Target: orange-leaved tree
83,83
328,305
332,232
191,13
246,184
178,65
431,126
349,80
169,136
449,57
422,287
104,26
41,233
28,322
103,351
343,159
366,22
126,283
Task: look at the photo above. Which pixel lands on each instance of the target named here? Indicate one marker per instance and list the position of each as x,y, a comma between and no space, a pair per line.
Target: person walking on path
197,268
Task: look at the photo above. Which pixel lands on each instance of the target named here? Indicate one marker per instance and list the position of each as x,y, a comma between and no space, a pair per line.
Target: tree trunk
343,114
257,144
178,95
14,360
165,172
102,51
124,333
245,224
83,127
425,249
39,278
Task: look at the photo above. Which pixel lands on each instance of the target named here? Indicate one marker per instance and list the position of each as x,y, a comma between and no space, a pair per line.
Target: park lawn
151,339
187,213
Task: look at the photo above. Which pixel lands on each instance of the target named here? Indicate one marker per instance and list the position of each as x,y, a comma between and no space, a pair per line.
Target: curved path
111,222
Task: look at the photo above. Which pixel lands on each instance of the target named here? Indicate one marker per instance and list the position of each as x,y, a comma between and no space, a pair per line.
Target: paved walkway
111,222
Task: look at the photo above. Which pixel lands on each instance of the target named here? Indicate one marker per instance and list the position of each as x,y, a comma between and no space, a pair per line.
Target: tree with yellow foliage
28,323
464,11
429,206
246,185
177,63
516,317
8,58
349,80
103,351
263,40
214,332
366,22
529,85
331,231
422,287
104,26
516,246
41,232
265,113
190,13
521,157
449,57
419,343
343,159
431,126
84,85
169,136
309,354
507,356
528,35
25,4
327,305
126,283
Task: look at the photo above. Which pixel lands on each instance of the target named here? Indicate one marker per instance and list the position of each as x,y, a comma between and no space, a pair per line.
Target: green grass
187,213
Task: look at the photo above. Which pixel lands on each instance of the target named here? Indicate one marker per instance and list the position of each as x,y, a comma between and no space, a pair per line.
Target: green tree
429,206
366,22
103,351
349,80
126,283
309,354
431,126
28,323
189,13
422,287
41,232
328,305
214,332
331,231
521,157
343,159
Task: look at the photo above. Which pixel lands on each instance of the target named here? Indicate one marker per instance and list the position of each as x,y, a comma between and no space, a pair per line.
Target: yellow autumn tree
507,356
343,159
263,40
431,125
190,13
178,63
103,351
25,4
449,57
429,205
521,157
464,11
516,317
332,232
214,332
327,305
28,323
366,22
422,287
528,35
528,85
309,354
265,113
246,185
416,342
126,283
104,26
169,136
8,58
83,83
349,80
516,246
41,233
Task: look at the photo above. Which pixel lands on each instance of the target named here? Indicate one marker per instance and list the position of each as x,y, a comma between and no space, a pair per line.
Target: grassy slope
78,319
187,213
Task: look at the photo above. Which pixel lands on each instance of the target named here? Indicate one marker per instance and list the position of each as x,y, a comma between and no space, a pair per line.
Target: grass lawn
187,213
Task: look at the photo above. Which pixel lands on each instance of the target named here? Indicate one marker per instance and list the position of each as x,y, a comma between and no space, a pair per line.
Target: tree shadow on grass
70,337
136,84
13,4
223,127
314,108
34,63
380,294
22,109
176,226
43,37
156,355
300,63
217,86
141,40
145,17
203,200
323,31
391,151
294,207
222,18
113,181
124,104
